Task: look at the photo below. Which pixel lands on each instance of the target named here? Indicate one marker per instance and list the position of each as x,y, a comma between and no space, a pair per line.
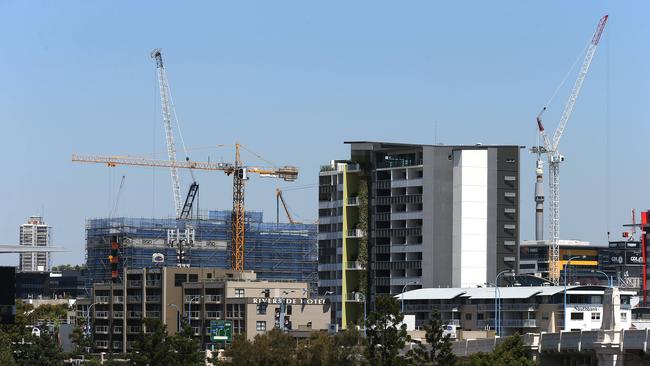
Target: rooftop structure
278,252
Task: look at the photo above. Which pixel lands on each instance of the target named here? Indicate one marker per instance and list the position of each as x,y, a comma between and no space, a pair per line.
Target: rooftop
517,292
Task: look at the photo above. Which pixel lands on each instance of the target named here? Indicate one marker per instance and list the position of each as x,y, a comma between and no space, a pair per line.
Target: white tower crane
165,98
555,158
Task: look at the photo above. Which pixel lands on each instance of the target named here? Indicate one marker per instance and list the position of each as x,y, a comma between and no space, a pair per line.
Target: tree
385,337
152,348
241,352
318,350
41,350
512,352
438,350
271,348
349,348
6,355
187,349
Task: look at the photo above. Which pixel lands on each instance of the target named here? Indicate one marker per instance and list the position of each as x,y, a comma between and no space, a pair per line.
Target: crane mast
555,158
165,101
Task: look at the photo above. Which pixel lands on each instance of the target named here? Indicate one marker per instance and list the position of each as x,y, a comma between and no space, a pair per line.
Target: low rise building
522,309
534,259
198,296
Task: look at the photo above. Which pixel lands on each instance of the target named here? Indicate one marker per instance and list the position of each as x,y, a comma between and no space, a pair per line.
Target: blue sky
293,80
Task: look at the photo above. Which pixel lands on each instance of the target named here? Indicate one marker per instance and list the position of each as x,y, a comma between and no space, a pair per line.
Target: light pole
178,317
404,289
363,298
189,309
566,265
283,307
497,296
88,328
609,279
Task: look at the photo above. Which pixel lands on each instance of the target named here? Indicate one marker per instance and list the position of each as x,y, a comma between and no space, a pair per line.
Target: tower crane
239,172
554,157
279,198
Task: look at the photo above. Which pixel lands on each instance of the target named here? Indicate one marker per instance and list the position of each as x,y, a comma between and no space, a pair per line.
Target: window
179,278
577,316
288,310
479,316
595,316
261,309
209,275
544,316
623,317
239,292
260,326
468,316
194,278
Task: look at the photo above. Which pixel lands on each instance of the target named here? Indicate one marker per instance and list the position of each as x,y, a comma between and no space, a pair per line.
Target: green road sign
221,330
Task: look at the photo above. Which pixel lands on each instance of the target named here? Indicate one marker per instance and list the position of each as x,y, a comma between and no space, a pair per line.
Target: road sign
221,330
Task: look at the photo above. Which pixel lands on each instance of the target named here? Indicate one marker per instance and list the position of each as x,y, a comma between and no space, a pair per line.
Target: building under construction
274,251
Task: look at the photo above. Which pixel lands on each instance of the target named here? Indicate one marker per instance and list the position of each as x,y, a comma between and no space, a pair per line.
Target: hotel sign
287,301
585,308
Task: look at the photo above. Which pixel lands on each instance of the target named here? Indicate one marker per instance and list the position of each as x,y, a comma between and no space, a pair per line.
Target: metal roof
432,293
517,292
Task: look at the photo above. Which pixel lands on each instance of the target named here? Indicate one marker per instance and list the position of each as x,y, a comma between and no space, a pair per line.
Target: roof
402,144
564,243
517,292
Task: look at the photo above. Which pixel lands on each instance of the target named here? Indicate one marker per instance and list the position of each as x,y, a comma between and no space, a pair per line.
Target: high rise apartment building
35,233
403,216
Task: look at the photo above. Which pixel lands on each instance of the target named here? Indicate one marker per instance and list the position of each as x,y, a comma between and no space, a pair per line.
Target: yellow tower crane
239,173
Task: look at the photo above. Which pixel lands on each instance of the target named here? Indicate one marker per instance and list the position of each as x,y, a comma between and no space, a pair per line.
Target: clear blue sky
293,80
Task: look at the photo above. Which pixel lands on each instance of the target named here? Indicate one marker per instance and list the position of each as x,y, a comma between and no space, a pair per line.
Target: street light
566,265
404,289
178,317
88,330
609,279
283,307
497,299
362,298
189,309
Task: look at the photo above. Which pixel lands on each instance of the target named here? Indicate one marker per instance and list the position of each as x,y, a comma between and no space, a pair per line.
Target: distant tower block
35,233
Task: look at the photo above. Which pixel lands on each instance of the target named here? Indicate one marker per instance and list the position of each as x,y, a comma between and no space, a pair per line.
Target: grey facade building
404,216
35,233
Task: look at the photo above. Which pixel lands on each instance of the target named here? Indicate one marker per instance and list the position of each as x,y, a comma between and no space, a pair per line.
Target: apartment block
35,233
197,296
402,216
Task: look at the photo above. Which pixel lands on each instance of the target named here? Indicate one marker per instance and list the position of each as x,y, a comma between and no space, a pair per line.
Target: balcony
117,345
213,314
118,299
212,298
134,299
133,329
135,314
101,299
118,314
355,297
356,266
508,307
134,283
153,314
153,283
428,307
398,163
101,314
353,201
101,329
153,298
101,344
117,329
196,331
509,323
193,299
194,314
355,233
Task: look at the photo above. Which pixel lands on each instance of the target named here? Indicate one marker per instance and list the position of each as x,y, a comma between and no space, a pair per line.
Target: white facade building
35,233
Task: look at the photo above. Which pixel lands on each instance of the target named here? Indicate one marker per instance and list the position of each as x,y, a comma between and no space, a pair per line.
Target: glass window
623,317
179,278
260,326
194,278
479,316
595,316
261,309
577,316
468,316
239,292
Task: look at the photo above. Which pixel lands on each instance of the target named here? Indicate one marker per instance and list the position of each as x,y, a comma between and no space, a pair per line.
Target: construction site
275,251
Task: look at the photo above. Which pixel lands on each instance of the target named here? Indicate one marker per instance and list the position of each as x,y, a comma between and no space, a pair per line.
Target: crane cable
566,77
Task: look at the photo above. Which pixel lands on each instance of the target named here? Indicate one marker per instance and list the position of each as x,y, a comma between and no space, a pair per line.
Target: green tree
385,337
318,350
350,348
268,349
152,348
81,341
42,351
187,349
6,354
438,350
240,352
512,352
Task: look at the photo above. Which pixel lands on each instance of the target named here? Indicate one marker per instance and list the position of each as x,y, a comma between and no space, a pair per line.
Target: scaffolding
275,252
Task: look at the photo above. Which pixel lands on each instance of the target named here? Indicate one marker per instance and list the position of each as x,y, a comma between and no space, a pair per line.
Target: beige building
199,296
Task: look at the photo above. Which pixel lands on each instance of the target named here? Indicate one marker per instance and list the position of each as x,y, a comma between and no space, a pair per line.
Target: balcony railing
101,314
134,299
101,299
213,314
153,298
428,307
118,299
101,344
509,323
133,329
118,314
153,283
117,330
508,307
212,298
356,265
353,201
134,283
117,345
355,233
135,314
194,299
102,329
194,314
153,314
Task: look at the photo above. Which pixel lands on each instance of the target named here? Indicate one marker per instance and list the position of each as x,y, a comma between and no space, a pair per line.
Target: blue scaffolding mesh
286,252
